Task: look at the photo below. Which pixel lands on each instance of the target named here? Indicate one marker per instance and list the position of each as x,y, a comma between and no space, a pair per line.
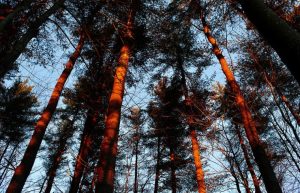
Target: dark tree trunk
261,158
84,149
58,156
284,39
23,170
7,61
247,159
236,180
53,169
9,18
135,190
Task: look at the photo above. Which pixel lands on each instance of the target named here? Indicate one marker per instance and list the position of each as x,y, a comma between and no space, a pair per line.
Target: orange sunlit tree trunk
261,158
108,149
23,170
192,131
197,161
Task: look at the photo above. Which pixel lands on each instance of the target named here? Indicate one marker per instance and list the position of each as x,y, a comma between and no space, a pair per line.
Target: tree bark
7,61
84,149
135,190
197,162
108,149
193,134
284,39
53,169
23,170
236,180
247,159
58,156
261,158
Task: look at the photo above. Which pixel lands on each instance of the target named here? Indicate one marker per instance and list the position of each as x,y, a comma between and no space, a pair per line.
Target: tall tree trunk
84,149
236,180
234,162
197,161
157,168
42,185
53,169
8,19
247,159
23,170
193,134
173,171
108,149
284,39
261,158
7,61
58,156
135,190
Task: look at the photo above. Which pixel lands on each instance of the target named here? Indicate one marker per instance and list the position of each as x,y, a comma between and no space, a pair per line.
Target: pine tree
24,168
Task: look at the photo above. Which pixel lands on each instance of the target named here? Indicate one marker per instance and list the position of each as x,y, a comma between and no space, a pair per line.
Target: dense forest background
149,96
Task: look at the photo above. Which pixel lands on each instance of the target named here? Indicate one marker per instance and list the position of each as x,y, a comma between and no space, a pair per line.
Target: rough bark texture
108,149
261,158
23,170
197,162
284,39
193,134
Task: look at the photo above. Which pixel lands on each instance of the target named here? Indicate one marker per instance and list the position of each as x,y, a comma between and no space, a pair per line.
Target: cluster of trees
190,134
